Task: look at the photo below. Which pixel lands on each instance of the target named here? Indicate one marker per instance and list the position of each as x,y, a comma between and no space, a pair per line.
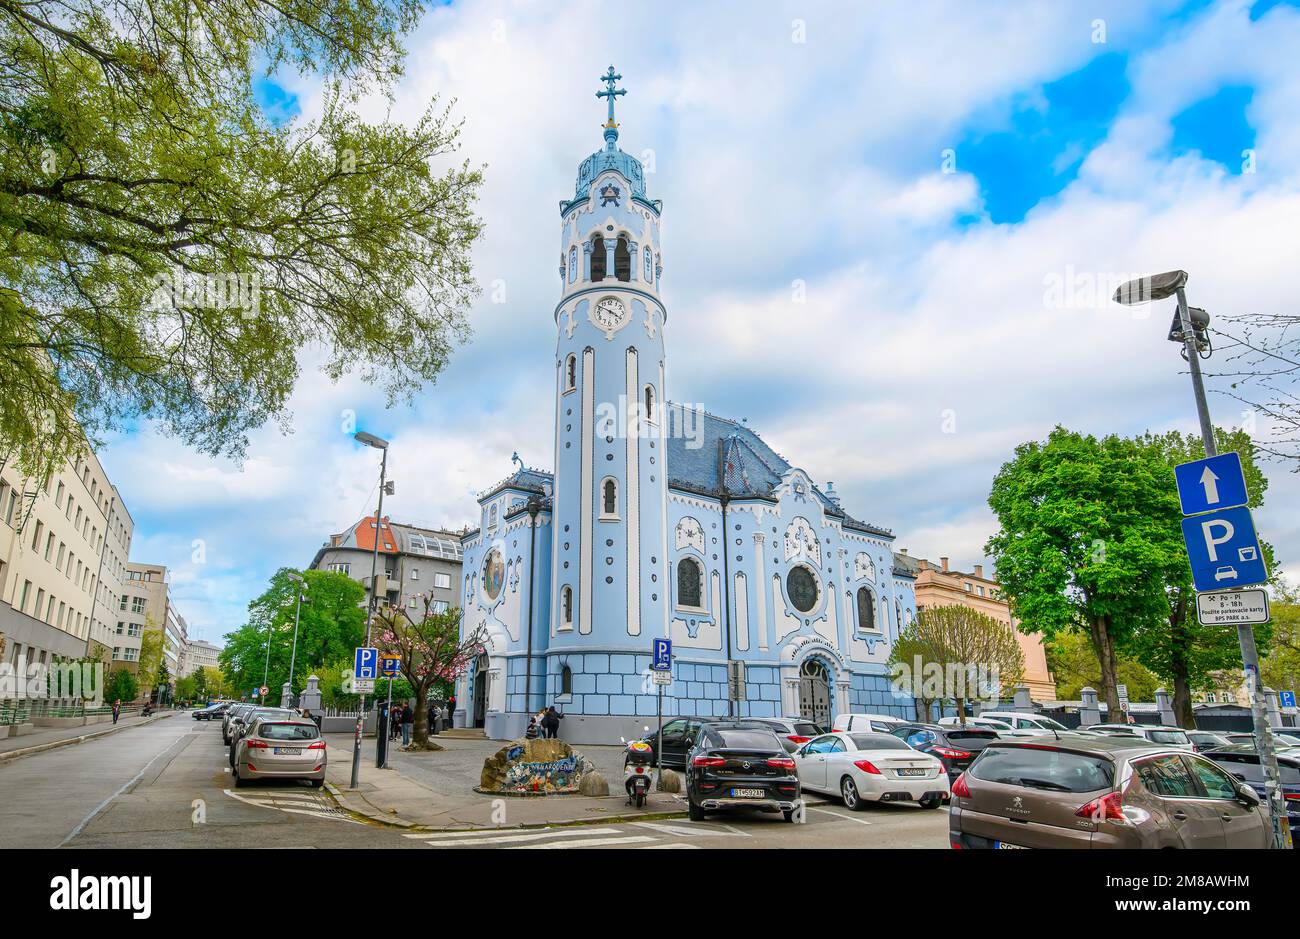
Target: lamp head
1151,287
370,440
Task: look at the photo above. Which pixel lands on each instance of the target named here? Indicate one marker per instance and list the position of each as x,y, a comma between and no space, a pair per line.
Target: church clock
609,314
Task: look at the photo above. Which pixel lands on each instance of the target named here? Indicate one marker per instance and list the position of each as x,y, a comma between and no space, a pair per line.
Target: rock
670,781
535,766
593,784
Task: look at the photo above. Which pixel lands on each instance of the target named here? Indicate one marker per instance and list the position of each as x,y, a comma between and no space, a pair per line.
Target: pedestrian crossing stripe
591,842
498,838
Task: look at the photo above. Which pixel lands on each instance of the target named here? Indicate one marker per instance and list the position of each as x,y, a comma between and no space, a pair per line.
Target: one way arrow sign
1216,482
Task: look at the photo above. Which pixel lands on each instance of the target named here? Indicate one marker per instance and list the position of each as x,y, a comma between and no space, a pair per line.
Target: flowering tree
431,650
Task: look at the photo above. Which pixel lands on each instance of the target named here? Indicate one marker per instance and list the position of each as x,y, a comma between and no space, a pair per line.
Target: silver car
243,722
280,748
237,711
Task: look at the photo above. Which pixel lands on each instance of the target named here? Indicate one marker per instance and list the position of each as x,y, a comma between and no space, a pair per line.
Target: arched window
597,258
566,680
866,609
898,615
571,373
649,266
566,606
650,403
609,498
622,260
688,582
573,264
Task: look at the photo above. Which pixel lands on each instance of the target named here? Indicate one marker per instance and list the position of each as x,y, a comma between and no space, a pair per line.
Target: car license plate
288,751
748,793
912,771
1004,846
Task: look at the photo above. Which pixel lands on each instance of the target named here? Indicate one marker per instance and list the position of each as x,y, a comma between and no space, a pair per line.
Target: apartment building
413,562
64,544
200,654
146,605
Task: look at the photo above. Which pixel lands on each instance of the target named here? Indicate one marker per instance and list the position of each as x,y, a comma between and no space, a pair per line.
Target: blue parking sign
365,665
1216,482
1224,550
1286,699
663,655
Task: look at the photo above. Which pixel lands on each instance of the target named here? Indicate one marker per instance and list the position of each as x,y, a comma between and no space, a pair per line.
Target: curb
69,741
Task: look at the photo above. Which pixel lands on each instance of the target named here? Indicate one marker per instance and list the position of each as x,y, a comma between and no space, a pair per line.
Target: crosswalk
637,835
295,802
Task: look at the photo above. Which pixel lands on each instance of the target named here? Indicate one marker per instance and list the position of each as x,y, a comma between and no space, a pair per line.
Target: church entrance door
481,678
815,693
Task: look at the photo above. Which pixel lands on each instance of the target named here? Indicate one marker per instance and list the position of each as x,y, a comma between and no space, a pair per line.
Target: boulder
593,784
670,781
538,766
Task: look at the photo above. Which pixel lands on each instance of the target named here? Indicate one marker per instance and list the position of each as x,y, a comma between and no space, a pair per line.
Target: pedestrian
408,720
117,709
394,723
532,732
551,722
435,718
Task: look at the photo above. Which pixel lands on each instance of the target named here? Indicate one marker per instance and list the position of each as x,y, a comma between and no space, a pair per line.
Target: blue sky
924,170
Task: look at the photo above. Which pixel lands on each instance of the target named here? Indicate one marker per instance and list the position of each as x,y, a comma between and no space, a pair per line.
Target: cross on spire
611,78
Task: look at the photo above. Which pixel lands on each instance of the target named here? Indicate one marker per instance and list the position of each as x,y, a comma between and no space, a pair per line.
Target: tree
431,651
162,679
169,249
121,686
1085,541
1179,649
1263,367
956,652
199,684
1073,664
152,641
186,689
1281,667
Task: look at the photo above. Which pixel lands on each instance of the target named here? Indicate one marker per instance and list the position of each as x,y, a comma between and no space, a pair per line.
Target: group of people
545,723
401,719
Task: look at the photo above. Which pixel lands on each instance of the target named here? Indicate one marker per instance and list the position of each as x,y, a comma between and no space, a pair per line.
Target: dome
610,158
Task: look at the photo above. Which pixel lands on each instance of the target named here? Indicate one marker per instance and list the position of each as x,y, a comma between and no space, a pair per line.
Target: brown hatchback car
1099,792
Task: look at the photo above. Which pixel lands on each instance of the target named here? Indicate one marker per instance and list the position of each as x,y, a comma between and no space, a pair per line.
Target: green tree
1073,664
956,652
169,249
186,689
1281,667
121,686
1179,649
199,686
1085,541
152,641
215,683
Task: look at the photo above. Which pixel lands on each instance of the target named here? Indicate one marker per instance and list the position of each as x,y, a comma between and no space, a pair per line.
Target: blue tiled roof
528,480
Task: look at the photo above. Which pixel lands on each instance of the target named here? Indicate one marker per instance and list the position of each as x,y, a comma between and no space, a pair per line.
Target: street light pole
370,440
1160,287
293,655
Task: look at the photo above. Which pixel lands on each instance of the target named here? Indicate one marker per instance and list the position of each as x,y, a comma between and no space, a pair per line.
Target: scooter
637,767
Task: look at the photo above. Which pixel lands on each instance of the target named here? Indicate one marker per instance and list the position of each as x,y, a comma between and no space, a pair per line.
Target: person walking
551,722
117,709
408,721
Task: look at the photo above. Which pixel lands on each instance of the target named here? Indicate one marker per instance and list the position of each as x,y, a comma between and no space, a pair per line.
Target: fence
22,712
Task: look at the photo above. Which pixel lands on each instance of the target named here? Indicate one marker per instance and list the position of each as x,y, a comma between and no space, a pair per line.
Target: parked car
740,764
864,723
954,747
278,748
1032,725
1280,738
1203,740
1242,763
1101,792
210,712
862,768
676,734
1157,733
987,722
242,723
238,710
793,732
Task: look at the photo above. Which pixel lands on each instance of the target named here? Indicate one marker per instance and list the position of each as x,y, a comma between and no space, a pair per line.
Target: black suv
954,746
739,764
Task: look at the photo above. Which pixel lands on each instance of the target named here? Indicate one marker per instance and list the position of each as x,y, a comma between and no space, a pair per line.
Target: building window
801,586
492,516
649,401
597,258
137,604
898,615
494,574
571,373
441,606
689,582
442,581
573,264
415,573
609,498
566,606
649,266
566,680
866,610
622,260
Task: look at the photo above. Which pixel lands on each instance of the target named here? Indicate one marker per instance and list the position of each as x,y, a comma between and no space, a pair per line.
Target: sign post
661,667
388,667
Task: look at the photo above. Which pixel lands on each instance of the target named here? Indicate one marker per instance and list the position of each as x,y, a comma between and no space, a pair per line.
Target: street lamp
293,655
1191,329
379,443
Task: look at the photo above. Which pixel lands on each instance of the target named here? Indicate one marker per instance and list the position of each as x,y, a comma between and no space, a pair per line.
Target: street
166,785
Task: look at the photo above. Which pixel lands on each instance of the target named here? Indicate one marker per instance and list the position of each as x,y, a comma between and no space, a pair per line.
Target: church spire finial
611,78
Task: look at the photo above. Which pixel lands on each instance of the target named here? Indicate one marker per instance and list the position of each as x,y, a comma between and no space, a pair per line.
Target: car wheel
239,780
849,793
317,783
930,803
696,813
788,814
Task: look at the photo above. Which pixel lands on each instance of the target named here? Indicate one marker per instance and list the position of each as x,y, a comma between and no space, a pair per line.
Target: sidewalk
435,789
12,748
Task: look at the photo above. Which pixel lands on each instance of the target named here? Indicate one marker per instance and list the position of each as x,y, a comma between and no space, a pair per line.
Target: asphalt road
166,784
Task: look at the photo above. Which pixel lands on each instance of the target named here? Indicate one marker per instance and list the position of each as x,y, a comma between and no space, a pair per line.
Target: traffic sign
390,665
365,664
363,685
1223,550
1215,482
1286,699
263,690
662,677
663,655
1232,607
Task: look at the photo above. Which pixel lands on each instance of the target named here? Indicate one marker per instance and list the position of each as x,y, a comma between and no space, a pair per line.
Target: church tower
610,500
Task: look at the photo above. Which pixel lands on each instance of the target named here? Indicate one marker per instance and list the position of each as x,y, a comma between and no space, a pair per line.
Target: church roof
525,479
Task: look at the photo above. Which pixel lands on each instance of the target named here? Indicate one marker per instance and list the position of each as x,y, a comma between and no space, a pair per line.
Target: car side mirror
1248,796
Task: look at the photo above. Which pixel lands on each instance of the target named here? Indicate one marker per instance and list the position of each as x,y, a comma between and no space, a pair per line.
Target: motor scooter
638,762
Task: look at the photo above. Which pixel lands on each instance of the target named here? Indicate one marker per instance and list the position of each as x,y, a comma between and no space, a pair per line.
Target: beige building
937,585
64,543
200,654
146,605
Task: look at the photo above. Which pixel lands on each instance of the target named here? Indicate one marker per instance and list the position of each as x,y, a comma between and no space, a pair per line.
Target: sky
927,206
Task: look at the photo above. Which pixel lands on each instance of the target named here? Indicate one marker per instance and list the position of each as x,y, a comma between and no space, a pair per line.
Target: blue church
662,520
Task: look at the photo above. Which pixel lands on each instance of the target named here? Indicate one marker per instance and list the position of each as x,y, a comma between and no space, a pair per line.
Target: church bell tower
610,500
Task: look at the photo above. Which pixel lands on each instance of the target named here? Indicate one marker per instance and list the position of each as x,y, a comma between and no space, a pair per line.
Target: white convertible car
862,768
